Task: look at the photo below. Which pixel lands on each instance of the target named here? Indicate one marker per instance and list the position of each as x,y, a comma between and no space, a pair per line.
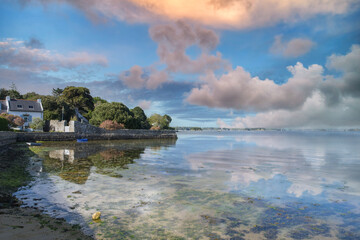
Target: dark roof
25,105
3,107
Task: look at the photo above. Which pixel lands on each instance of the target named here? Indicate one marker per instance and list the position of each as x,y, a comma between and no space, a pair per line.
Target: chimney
38,100
7,98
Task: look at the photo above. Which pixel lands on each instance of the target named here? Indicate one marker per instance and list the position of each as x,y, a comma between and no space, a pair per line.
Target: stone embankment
12,137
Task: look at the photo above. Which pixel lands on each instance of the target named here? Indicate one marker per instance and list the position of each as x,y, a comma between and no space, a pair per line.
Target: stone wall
57,126
7,138
116,135
79,127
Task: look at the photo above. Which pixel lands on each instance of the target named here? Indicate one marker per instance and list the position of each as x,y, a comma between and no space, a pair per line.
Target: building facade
26,109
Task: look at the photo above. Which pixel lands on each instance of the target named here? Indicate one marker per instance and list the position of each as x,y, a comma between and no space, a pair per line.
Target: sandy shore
27,223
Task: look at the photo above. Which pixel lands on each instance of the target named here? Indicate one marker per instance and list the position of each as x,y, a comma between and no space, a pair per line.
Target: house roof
25,105
3,106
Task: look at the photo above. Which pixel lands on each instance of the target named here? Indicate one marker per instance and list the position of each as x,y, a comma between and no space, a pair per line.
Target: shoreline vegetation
17,222
76,103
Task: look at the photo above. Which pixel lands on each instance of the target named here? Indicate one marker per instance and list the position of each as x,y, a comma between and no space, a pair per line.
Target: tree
37,124
158,121
111,125
53,108
13,93
80,98
112,111
140,118
57,92
13,120
4,124
31,96
3,93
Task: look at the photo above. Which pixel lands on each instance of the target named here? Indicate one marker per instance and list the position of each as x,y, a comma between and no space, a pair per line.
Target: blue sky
225,66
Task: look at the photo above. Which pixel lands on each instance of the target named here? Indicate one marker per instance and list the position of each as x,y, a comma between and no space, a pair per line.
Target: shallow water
208,185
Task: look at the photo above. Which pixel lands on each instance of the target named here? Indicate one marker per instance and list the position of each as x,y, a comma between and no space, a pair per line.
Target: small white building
27,109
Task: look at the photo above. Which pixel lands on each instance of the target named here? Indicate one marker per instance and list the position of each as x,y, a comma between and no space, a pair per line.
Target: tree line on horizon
62,103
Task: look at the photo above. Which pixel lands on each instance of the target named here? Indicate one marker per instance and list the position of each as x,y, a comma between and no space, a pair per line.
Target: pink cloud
15,54
294,48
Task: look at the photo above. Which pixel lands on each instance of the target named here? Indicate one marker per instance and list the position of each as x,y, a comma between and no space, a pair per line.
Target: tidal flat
204,185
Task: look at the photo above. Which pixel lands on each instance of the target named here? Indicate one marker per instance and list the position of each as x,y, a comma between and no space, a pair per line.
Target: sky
206,63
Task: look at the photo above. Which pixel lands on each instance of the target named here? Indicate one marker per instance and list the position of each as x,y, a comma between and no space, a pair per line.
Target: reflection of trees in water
73,161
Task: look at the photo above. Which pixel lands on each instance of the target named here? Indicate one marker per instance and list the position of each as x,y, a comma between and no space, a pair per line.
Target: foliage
141,121
56,92
53,108
112,111
98,100
31,96
111,125
163,122
80,98
37,124
13,120
13,93
4,124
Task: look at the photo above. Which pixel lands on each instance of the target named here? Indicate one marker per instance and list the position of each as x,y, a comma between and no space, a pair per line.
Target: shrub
14,120
37,124
4,124
111,125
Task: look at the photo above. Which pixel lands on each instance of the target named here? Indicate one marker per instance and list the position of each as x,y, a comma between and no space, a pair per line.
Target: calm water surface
209,185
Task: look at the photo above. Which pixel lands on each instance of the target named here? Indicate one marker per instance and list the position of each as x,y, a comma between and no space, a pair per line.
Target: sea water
204,185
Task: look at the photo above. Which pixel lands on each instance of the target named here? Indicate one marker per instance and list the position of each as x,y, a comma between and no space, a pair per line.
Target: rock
96,216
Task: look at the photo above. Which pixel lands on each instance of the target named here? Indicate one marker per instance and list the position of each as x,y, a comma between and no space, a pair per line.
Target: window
31,107
19,106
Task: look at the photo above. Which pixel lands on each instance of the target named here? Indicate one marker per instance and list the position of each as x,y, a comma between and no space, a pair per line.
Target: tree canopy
163,122
80,98
141,120
112,111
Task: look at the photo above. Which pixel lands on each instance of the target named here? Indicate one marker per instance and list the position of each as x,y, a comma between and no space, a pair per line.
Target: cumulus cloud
294,48
144,104
218,13
136,77
315,113
238,90
15,54
331,102
174,39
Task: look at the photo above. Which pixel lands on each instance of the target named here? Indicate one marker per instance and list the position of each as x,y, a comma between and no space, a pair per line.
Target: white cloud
308,99
15,54
145,104
294,48
238,90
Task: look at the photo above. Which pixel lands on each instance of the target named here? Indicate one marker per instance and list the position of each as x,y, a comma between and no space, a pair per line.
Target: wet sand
28,223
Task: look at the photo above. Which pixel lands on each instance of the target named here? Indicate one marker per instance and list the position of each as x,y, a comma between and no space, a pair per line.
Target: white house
27,109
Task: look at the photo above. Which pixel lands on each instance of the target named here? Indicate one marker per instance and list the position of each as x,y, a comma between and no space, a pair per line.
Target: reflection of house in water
63,155
73,161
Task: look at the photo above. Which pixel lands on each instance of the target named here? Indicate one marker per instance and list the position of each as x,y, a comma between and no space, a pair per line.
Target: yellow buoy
96,216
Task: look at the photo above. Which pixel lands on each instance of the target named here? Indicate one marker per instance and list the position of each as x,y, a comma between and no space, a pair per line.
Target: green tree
56,92
112,111
3,93
53,108
4,124
31,96
80,98
13,92
163,122
37,124
140,118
